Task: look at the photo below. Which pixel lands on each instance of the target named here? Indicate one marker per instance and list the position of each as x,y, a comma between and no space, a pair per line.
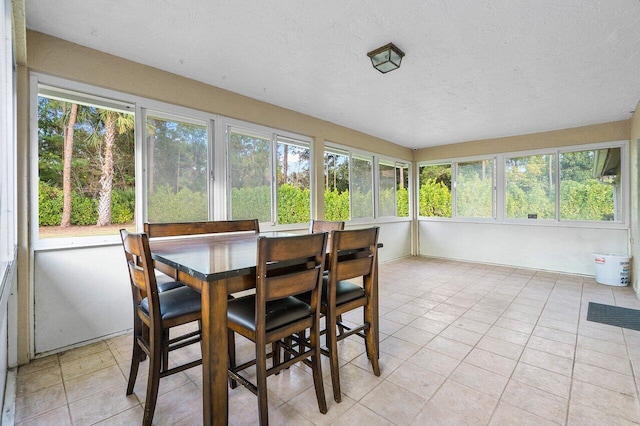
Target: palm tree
69,122
114,124
66,116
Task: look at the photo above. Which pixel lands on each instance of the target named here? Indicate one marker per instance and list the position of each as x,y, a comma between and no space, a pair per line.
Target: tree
114,124
66,168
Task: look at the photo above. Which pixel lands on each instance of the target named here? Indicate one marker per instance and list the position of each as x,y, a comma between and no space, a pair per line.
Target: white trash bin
612,269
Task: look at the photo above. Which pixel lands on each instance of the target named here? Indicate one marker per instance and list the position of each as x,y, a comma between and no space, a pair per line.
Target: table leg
214,353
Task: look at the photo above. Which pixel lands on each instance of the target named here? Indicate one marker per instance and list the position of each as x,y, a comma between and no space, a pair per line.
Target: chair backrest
141,275
353,253
288,266
325,226
154,230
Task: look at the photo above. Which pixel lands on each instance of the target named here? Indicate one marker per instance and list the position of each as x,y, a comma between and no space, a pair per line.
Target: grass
83,231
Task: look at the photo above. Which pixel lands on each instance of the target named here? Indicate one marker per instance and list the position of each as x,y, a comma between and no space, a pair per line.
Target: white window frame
500,185
198,119
8,148
454,184
274,136
375,171
397,163
216,177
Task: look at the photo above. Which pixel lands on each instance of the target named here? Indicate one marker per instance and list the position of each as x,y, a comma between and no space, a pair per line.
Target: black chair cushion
165,282
345,292
176,302
279,312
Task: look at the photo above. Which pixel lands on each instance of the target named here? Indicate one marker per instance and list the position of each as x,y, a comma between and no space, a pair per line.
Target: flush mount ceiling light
386,58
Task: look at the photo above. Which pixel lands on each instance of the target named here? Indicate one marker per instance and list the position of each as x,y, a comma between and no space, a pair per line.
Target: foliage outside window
474,189
393,199
336,189
361,186
435,190
580,185
531,187
293,181
590,185
177,172
86,166
250,159
253,179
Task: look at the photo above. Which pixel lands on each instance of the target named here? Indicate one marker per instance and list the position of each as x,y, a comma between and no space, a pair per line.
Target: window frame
501,187
145,168
8,148
396,164
140,105
87,94
275,136
375,171
454,188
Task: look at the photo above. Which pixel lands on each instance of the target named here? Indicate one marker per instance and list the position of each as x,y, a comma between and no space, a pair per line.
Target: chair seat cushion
345,292
176,302
279,312
165,282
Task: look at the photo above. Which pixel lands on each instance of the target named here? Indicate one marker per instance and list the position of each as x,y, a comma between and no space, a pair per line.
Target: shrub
165,205
336,205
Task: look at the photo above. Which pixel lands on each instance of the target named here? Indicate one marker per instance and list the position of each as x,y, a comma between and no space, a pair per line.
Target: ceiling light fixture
386,58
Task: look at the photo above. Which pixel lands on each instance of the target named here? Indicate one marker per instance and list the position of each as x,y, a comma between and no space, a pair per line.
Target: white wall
395,238
553,248
80,294
83,294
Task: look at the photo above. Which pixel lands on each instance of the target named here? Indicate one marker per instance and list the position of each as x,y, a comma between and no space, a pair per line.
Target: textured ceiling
473,69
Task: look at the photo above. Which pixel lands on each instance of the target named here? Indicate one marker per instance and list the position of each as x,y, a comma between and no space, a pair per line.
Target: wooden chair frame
154,230
325,226
287,266
353,254
151,332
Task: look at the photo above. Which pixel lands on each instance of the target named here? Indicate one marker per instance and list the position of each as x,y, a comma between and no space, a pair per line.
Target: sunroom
157,135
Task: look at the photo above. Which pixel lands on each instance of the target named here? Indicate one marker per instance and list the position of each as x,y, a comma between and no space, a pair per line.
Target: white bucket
612,269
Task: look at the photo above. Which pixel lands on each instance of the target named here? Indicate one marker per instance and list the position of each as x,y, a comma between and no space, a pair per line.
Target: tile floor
461,344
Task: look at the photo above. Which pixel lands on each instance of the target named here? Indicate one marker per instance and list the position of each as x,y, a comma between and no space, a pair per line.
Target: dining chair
155,313
325,226
199,228
159,230
286,267
352,254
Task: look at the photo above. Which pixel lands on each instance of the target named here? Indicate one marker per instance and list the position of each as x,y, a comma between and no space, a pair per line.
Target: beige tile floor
461,344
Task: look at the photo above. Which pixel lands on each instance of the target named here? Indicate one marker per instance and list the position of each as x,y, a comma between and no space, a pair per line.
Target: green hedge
294,204
165,205
336,205
83,209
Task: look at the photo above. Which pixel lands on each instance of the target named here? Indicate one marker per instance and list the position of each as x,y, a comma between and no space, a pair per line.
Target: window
361,186
86,165
336,188
177,172
474,189
561,185
293,183
250,165
269,176
590,185
393,197
350,187
435,190
531,187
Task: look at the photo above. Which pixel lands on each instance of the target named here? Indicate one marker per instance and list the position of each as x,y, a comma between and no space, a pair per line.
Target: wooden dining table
217,265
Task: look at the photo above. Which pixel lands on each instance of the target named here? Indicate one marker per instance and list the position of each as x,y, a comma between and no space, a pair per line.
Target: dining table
217,265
